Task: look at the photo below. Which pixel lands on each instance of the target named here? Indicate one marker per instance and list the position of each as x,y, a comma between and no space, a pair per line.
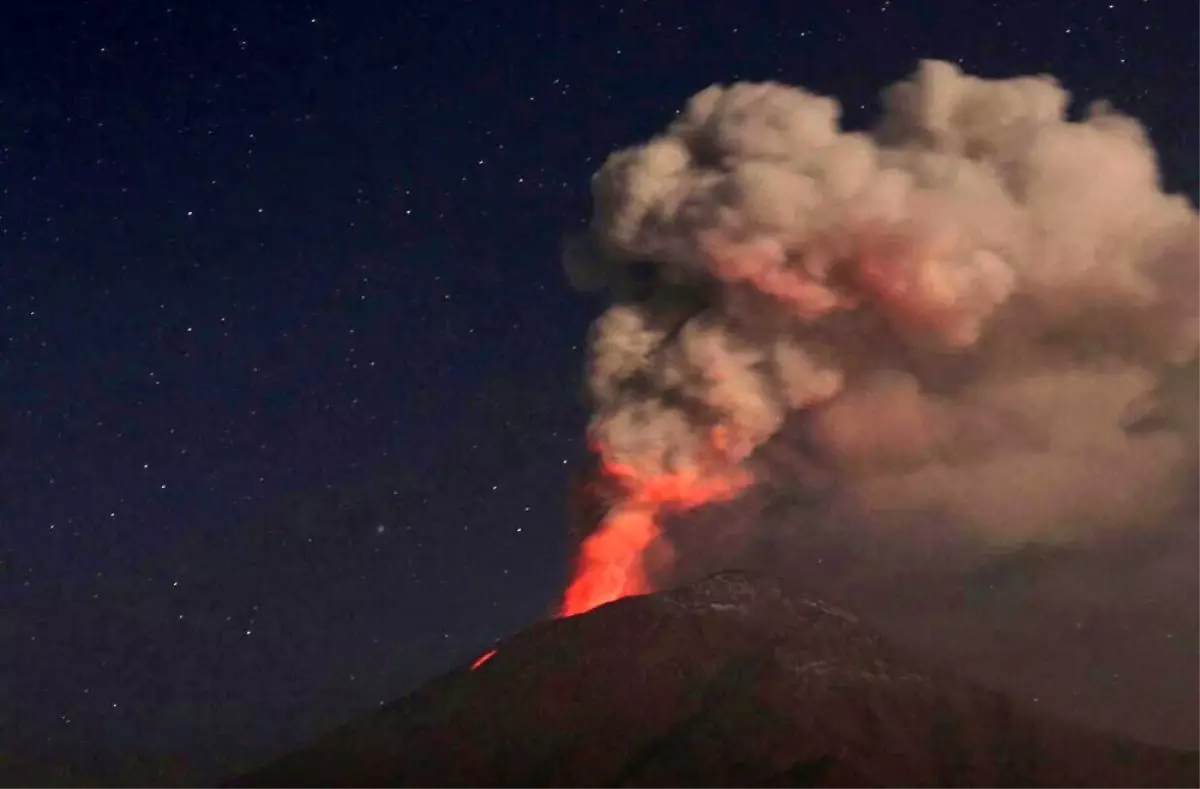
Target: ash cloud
935,345
963,302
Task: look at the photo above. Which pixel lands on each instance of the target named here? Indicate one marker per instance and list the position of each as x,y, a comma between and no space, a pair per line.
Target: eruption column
611,559
950,311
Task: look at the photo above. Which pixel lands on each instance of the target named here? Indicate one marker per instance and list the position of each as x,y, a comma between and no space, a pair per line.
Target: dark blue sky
288,372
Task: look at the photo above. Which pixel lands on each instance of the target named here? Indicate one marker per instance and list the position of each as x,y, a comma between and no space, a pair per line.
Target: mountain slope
728,681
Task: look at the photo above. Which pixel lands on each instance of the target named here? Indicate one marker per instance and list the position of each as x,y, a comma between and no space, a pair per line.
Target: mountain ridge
726,681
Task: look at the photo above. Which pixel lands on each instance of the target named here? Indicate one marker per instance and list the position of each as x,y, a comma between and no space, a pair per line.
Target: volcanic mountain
729,681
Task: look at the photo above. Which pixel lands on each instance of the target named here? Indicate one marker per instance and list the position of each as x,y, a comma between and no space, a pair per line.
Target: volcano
728,681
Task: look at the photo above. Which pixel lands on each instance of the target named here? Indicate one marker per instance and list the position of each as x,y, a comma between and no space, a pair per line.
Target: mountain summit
729,681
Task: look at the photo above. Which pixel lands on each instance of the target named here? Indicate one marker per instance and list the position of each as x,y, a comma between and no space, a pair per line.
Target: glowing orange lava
610,560
485,657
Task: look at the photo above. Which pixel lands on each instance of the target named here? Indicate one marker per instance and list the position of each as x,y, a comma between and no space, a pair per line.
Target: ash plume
877,359
962,302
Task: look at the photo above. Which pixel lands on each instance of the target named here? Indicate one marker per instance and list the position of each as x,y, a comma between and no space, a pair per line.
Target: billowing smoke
937,334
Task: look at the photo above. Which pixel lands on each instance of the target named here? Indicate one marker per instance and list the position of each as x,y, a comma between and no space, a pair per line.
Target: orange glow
485,657
908,281
610,562
763,264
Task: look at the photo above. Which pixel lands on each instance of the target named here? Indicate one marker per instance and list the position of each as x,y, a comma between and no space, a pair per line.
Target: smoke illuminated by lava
955,309
610,559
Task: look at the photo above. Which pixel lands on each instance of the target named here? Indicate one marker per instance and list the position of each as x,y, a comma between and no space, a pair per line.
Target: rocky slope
728,681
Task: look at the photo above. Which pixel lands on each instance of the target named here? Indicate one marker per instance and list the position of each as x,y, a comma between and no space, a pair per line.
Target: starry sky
288,371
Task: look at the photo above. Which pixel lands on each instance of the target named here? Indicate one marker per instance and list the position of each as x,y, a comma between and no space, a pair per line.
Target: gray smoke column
952,312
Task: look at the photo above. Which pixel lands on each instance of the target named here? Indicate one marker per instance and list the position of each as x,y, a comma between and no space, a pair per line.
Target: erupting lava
610,559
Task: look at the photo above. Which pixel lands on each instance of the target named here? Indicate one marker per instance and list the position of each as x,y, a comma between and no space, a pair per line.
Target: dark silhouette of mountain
729,681
108,771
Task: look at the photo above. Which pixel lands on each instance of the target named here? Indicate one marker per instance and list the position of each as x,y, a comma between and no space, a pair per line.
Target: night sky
289,374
